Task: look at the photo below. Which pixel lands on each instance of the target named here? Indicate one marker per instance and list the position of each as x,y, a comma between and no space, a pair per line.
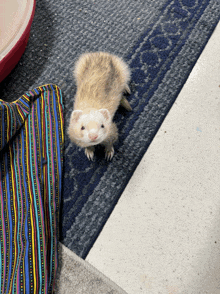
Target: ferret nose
93,137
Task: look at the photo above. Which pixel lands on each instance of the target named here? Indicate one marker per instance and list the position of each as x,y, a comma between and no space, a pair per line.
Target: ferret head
89,128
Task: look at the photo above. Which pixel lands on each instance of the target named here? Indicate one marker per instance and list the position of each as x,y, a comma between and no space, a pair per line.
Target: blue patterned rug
160,40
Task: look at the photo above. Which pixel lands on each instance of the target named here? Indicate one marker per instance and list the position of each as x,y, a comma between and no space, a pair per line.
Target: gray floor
163,235
76,276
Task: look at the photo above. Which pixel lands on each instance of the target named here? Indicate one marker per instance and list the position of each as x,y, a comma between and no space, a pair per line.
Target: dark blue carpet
160,40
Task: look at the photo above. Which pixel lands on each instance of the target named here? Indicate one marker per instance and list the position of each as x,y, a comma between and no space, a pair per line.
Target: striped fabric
31,157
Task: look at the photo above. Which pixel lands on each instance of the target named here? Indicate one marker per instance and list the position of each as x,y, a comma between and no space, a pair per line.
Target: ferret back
101,62
101,79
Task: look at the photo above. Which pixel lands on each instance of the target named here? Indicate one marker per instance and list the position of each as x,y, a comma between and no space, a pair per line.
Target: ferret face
89,128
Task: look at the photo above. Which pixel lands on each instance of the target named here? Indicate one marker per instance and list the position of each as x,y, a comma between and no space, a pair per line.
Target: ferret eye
82,128
102,126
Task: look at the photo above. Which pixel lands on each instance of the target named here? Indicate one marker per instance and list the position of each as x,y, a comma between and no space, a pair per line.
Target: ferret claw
109,154
89,153
127,89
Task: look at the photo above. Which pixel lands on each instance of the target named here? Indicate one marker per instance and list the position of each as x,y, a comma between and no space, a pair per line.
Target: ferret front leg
108,143
109,151
89,152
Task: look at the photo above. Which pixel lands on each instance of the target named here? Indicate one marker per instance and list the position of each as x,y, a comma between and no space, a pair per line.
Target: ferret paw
109,153
89,152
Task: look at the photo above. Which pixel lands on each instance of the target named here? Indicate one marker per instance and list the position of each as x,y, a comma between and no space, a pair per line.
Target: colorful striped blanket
31,157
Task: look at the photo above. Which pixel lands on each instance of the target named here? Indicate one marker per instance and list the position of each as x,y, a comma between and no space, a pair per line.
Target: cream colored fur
101,79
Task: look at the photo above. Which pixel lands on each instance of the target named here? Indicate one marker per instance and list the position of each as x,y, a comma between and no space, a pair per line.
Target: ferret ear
75,116
105,113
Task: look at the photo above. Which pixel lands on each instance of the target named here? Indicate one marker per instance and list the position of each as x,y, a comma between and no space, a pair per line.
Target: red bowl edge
8,62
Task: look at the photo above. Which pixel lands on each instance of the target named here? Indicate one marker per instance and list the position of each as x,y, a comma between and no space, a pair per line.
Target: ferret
101,78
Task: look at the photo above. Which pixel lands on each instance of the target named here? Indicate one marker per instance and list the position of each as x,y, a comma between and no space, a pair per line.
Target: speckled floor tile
164,234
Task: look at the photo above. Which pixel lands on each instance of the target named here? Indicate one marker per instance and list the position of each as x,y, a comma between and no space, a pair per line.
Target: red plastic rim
11,53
